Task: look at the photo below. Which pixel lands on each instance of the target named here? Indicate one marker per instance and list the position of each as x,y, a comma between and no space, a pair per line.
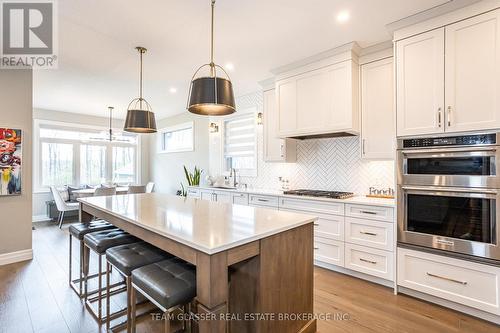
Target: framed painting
10,161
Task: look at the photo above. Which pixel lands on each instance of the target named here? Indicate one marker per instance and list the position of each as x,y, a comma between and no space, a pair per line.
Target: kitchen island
254,266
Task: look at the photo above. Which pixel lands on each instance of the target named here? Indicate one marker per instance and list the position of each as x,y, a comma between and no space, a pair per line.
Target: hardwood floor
35,297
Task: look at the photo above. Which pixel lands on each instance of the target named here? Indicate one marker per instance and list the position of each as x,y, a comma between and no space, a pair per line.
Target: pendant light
110,108
211,95
140,116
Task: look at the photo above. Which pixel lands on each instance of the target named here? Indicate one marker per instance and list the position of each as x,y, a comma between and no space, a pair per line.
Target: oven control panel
467,140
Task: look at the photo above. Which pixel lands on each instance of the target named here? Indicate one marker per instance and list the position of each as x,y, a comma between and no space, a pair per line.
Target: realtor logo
28,32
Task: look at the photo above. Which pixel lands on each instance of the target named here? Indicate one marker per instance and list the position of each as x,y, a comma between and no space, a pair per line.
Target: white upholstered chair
133,189
104,191
62,206
150,187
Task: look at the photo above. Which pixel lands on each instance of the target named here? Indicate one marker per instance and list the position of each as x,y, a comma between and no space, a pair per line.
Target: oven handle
458,152
436,189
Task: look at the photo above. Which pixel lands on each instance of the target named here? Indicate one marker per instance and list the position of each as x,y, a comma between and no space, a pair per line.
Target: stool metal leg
168,324
70,256
108,296
99,279
128,281
133,309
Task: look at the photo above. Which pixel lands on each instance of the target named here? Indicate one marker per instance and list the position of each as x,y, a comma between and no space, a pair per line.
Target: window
123,164
178,138
92,164
240,144
57,164
81,155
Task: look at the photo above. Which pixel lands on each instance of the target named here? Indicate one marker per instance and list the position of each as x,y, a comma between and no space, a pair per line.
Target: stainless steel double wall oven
448,193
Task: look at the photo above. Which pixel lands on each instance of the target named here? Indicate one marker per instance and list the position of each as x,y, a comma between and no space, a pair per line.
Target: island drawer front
379,235
240,198
459,281
315,206
327,226
370,212
329,251
194,193
263,200
370,261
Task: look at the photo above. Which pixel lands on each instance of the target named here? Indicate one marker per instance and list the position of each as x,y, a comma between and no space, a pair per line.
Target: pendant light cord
110,123
212,64
140,79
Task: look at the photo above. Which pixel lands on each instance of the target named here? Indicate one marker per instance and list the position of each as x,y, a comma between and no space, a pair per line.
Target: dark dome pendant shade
140,116
211,95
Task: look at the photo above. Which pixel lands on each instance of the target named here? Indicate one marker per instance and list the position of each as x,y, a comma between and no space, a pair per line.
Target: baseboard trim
374,279
13,257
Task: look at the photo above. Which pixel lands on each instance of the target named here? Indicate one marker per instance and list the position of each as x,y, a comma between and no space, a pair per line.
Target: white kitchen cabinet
239,198
276,149
420,84
216,196
377,110
379,235
329,251
319,101
472,73
465,282
369,261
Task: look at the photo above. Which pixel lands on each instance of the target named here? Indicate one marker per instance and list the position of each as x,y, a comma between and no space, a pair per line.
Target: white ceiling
98,65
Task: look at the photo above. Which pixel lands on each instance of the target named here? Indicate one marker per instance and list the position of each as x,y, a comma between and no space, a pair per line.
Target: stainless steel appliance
323,194
448,193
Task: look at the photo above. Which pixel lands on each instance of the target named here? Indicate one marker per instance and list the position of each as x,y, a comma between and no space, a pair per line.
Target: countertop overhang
209,227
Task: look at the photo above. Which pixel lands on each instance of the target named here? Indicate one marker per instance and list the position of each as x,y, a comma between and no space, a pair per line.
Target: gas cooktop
323,194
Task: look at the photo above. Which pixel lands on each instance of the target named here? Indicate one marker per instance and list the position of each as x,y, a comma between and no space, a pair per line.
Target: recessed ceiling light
173,90
343,16
229,66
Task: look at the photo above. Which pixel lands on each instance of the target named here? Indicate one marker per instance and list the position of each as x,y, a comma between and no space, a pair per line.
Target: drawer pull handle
368,233
262,200
316,224
316,248
447,279
368,261
368,212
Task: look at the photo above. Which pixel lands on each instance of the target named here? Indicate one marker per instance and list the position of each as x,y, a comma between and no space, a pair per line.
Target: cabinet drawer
379,235
370,212
240,198
263,200
315,206
370,261
329,251
460,281
193,193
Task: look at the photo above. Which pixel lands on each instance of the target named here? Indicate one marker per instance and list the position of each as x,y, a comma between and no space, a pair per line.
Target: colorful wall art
10,161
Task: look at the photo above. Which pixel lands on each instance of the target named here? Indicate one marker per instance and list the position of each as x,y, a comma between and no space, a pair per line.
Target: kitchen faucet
233,174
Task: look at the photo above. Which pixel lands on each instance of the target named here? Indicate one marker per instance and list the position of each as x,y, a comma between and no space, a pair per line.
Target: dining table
89,192
254,266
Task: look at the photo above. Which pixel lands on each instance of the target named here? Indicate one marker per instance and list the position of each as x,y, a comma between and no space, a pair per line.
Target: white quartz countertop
357,199
207,226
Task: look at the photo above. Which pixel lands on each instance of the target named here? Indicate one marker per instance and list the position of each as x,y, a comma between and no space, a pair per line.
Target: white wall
39,198
167,169
16,91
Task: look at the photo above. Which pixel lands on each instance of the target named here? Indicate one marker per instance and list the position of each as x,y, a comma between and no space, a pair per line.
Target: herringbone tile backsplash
323,164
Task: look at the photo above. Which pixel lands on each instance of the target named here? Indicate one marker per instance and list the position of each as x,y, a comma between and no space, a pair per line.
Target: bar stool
124,259
79,231
99,242
169,284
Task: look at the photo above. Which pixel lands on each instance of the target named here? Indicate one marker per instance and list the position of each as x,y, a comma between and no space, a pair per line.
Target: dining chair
104,191
133,189
150,187
62,206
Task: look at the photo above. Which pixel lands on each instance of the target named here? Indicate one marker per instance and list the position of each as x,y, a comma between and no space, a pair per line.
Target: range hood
323,136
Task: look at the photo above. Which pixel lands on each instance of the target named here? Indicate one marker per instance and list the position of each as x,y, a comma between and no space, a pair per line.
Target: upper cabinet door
286,94
473,73
377,110
420,84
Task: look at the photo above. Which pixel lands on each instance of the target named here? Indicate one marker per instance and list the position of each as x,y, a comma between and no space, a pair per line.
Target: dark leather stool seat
169,282
103,240
81,229
128,257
